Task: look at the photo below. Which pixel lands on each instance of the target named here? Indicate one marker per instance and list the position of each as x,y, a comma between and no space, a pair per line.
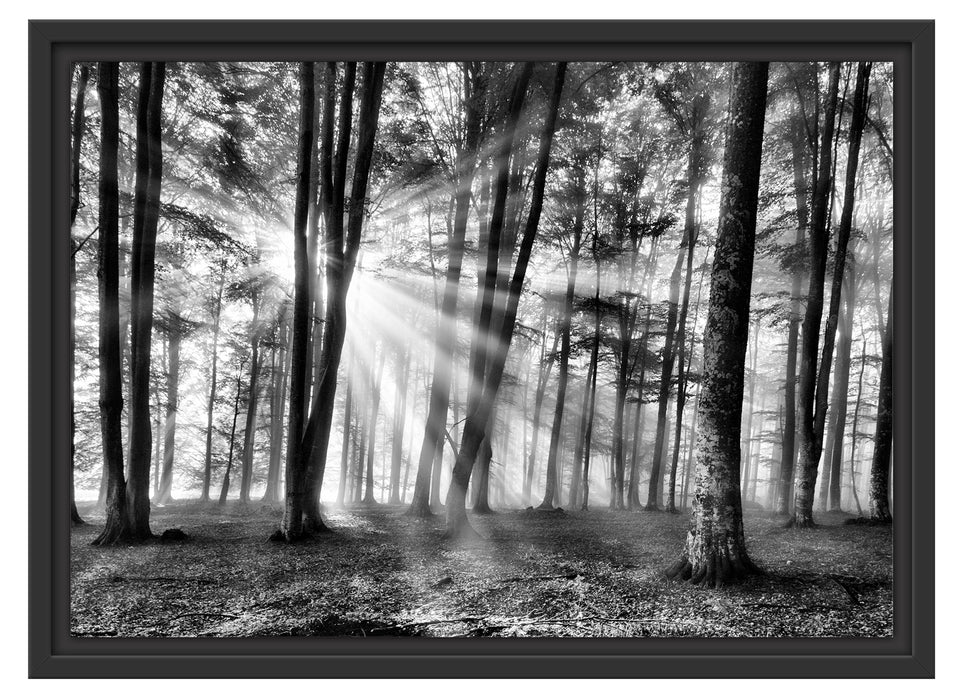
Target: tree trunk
784,500
345,449
211,402
814,390
229,461
715,551
841,393
79,119
145,219
277,410
476,424
546,368
296,487
117,527
882,451
556,435
399,421
164,493
446,332
249,428
368,496
341,261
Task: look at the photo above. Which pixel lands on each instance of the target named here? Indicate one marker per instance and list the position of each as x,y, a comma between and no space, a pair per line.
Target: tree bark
368,496
882,451
145,219
715,551
225,490
116,530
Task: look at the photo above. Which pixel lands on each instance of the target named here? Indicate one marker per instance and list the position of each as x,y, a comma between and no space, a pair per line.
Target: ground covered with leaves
555,574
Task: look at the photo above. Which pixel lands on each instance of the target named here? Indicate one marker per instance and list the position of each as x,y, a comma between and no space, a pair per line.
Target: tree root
717,571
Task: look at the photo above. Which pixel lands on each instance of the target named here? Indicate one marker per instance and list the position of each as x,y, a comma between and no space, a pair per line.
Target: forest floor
556,574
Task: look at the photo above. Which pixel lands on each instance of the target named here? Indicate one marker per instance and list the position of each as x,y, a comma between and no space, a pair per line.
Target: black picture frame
54,45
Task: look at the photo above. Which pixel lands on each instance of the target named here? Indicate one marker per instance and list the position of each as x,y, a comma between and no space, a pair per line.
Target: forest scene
473,349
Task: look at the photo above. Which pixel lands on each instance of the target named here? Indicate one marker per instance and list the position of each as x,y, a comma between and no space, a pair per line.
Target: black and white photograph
478,348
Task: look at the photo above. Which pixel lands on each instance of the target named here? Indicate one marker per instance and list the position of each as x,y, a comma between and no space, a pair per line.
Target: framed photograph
487,348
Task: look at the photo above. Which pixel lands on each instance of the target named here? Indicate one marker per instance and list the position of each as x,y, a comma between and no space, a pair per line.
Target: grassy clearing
535,574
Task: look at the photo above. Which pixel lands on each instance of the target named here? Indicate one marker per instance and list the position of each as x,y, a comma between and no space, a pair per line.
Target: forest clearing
533,573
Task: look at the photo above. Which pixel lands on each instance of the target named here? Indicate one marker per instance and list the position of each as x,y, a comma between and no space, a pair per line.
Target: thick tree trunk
882,451
79,119
145,219
117,527
446,332
715,551
809,451
164,492
296,487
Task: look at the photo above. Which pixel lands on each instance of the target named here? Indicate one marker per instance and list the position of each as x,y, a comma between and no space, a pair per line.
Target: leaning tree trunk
341,262
809,451
77,139
475,428
117,527
145,219
882,451
225,490
715,551
446,332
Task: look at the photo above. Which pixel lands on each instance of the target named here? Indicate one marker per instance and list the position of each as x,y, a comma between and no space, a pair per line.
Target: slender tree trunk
546,367
800,160
476,424
249,428
446,332
399,421
841,394
229,460
566,321
882,451
340,269
211,401
79,119
117,526
277,411
814,390
855,428
164,493
347,425
368,496
146,217
715,551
